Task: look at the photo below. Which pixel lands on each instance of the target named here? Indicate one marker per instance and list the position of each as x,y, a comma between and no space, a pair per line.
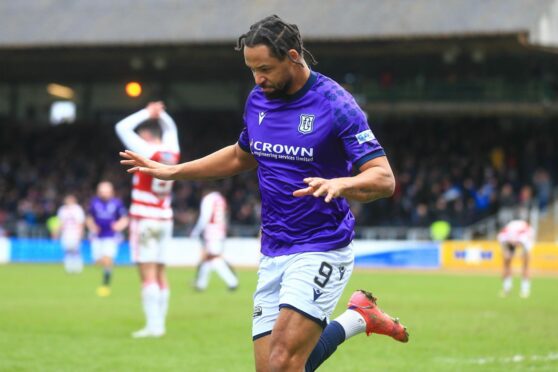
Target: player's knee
211,256
283,359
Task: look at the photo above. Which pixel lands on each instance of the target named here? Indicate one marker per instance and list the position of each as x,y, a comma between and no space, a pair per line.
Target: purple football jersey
105,213
320,131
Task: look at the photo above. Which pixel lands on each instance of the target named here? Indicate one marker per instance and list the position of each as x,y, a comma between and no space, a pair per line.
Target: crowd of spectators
459,171
465,170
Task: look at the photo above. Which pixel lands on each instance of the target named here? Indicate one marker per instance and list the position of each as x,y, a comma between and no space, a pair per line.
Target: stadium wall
397,254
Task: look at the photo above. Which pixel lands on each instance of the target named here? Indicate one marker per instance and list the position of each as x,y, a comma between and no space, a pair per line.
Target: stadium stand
464,103
459,172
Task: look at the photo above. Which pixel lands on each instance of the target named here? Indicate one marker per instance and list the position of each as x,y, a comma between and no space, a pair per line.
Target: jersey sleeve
125,129
170,134
60,213
357,138
204,218
80,214
244,139
121,211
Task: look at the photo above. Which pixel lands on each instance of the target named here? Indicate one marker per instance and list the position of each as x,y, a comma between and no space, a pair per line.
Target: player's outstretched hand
319,187
142,164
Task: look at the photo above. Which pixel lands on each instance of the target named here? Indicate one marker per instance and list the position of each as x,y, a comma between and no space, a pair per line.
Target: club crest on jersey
306,123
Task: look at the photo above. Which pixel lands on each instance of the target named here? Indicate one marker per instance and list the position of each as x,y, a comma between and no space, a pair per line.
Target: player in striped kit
70,232
517,234
152,133
212,223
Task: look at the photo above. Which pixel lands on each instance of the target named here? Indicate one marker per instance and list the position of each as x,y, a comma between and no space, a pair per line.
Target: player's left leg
73,263
203,271
78,260
107,247
507,280
164,294
215,248
311,287
106,263
148,255
362,315
293,338
150,294
526,277
162,241
225,272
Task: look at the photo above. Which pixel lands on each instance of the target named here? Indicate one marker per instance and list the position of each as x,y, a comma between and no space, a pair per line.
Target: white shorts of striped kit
149,240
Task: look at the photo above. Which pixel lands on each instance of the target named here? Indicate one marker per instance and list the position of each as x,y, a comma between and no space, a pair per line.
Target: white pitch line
518,358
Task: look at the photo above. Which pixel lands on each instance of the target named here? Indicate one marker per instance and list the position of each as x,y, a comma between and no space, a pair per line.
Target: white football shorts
149,240
104,247
70,242
526,241
214,247
310,283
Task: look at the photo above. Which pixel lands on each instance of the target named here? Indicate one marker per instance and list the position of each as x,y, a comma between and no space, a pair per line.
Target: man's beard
280,92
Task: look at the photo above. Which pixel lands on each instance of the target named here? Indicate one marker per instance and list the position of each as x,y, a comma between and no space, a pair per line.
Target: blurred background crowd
458,172
464,101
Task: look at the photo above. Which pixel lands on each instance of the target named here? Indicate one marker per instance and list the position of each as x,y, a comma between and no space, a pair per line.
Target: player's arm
91,225
125,129
82,220
228,161
375,181
120,224
169,131
203,219
55,233
123,220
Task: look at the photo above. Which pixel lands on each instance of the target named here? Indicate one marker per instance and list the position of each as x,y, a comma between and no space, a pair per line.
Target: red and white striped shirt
72,218
151,197
517,232
213,217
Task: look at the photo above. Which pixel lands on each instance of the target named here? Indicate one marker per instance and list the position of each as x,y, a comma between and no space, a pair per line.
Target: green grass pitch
50,321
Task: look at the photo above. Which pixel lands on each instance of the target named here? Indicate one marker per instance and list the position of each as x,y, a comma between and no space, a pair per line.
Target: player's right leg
266,310
145,252
306,288
215,248
525,280
293,338
261,353
97,255
164,294
150,295
203,273
68,261
106,251
73,263
284,338
507,281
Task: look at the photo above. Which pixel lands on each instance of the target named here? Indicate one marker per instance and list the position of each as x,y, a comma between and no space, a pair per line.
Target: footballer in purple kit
306,136
106,219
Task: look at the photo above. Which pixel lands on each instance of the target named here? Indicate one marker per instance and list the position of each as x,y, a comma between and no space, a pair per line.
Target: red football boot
376,320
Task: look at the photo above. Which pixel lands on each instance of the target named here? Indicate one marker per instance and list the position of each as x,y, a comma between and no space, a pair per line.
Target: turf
50,321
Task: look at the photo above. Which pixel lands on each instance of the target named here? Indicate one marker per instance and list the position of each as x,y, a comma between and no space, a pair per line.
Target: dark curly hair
278,35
